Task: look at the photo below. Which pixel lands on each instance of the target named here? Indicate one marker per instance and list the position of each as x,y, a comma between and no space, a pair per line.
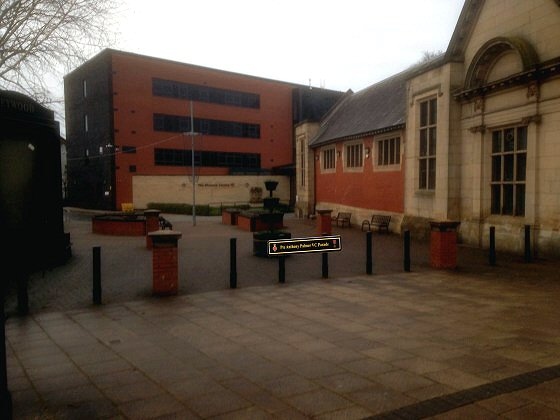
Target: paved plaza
476,342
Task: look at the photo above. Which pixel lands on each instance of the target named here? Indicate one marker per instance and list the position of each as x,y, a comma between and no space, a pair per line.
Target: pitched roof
377,108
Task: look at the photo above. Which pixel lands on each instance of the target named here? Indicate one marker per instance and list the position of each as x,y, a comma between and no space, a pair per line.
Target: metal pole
325,265
369,257
492,250
407,250
282,269
97,275
528,243
192,168
232,263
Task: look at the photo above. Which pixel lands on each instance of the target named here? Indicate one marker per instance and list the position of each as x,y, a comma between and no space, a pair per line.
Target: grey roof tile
375,108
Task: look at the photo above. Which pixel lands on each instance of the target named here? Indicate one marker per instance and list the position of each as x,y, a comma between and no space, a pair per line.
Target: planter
229,216
256,222
119,224
260,240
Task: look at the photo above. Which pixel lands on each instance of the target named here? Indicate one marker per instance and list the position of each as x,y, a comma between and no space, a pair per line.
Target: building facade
493,106
137,128
355,161
480,135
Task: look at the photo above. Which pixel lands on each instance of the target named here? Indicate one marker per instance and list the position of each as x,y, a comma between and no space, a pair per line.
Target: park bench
342,219
380,221
164,223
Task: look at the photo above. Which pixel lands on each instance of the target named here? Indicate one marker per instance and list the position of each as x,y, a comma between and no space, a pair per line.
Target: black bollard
492,246
369,256
528,257
22,294
282,269
97,275
325,265
407,250
232,263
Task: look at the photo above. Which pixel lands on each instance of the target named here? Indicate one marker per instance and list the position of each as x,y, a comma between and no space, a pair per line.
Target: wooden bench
342,219
380,221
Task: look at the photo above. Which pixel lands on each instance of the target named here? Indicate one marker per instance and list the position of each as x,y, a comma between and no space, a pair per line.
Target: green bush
180,208
211,210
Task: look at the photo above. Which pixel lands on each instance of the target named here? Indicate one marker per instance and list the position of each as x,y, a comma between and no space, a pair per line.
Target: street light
192,134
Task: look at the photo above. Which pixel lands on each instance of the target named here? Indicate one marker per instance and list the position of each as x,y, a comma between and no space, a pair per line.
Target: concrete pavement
476,342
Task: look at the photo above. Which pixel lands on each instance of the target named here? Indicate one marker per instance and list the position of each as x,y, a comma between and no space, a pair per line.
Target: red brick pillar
165,262
152,225
443,244
324,222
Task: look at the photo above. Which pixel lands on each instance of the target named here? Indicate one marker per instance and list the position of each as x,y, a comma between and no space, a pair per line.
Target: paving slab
478,341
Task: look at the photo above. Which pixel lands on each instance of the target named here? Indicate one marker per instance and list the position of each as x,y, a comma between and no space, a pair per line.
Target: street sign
304,245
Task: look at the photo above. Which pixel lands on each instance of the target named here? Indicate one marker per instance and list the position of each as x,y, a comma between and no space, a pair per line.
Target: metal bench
164,223
342,219
380,221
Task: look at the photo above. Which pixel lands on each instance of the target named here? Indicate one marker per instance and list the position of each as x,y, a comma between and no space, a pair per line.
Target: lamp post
192,134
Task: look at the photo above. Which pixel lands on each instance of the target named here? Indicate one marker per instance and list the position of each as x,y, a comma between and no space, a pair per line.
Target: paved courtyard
476,342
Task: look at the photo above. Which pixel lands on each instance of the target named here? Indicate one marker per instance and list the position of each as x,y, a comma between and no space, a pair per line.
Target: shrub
180,208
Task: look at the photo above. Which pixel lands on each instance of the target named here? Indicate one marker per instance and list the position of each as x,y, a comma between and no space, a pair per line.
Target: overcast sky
338,45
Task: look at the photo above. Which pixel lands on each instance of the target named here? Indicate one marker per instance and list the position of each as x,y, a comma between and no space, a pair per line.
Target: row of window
388,153
172,89
509,160
181,157
182,124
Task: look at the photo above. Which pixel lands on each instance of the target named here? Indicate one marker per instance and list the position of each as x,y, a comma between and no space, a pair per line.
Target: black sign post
304,245
283,247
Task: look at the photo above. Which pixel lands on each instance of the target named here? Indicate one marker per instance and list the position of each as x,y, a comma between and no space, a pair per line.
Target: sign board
304,245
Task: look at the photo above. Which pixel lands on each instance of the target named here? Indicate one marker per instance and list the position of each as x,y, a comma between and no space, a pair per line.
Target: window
172,89
329,158
84,88
182,124
129,149
354,155
509,165
232,160
86,124
427,153
132,168
389,152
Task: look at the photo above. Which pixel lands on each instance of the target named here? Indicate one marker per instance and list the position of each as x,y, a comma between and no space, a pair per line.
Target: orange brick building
127,115
353,157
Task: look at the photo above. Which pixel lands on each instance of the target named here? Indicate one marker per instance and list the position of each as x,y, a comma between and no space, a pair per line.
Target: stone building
480,141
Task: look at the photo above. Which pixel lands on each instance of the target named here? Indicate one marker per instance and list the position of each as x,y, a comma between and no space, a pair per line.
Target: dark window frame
427,145
508,171
200,93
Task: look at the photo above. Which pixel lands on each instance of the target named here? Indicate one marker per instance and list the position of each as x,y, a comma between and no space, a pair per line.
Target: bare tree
40,40
429,56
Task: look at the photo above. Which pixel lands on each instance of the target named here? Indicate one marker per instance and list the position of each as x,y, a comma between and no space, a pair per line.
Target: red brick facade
369,187
134,106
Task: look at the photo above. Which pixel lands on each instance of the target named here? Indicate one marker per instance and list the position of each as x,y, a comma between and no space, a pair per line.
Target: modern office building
137,128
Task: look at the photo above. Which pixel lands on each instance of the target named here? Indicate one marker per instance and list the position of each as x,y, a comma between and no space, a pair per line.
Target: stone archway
490,53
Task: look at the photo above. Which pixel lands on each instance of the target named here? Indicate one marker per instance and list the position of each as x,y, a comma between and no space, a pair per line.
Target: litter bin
443,244
165,262
324,222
